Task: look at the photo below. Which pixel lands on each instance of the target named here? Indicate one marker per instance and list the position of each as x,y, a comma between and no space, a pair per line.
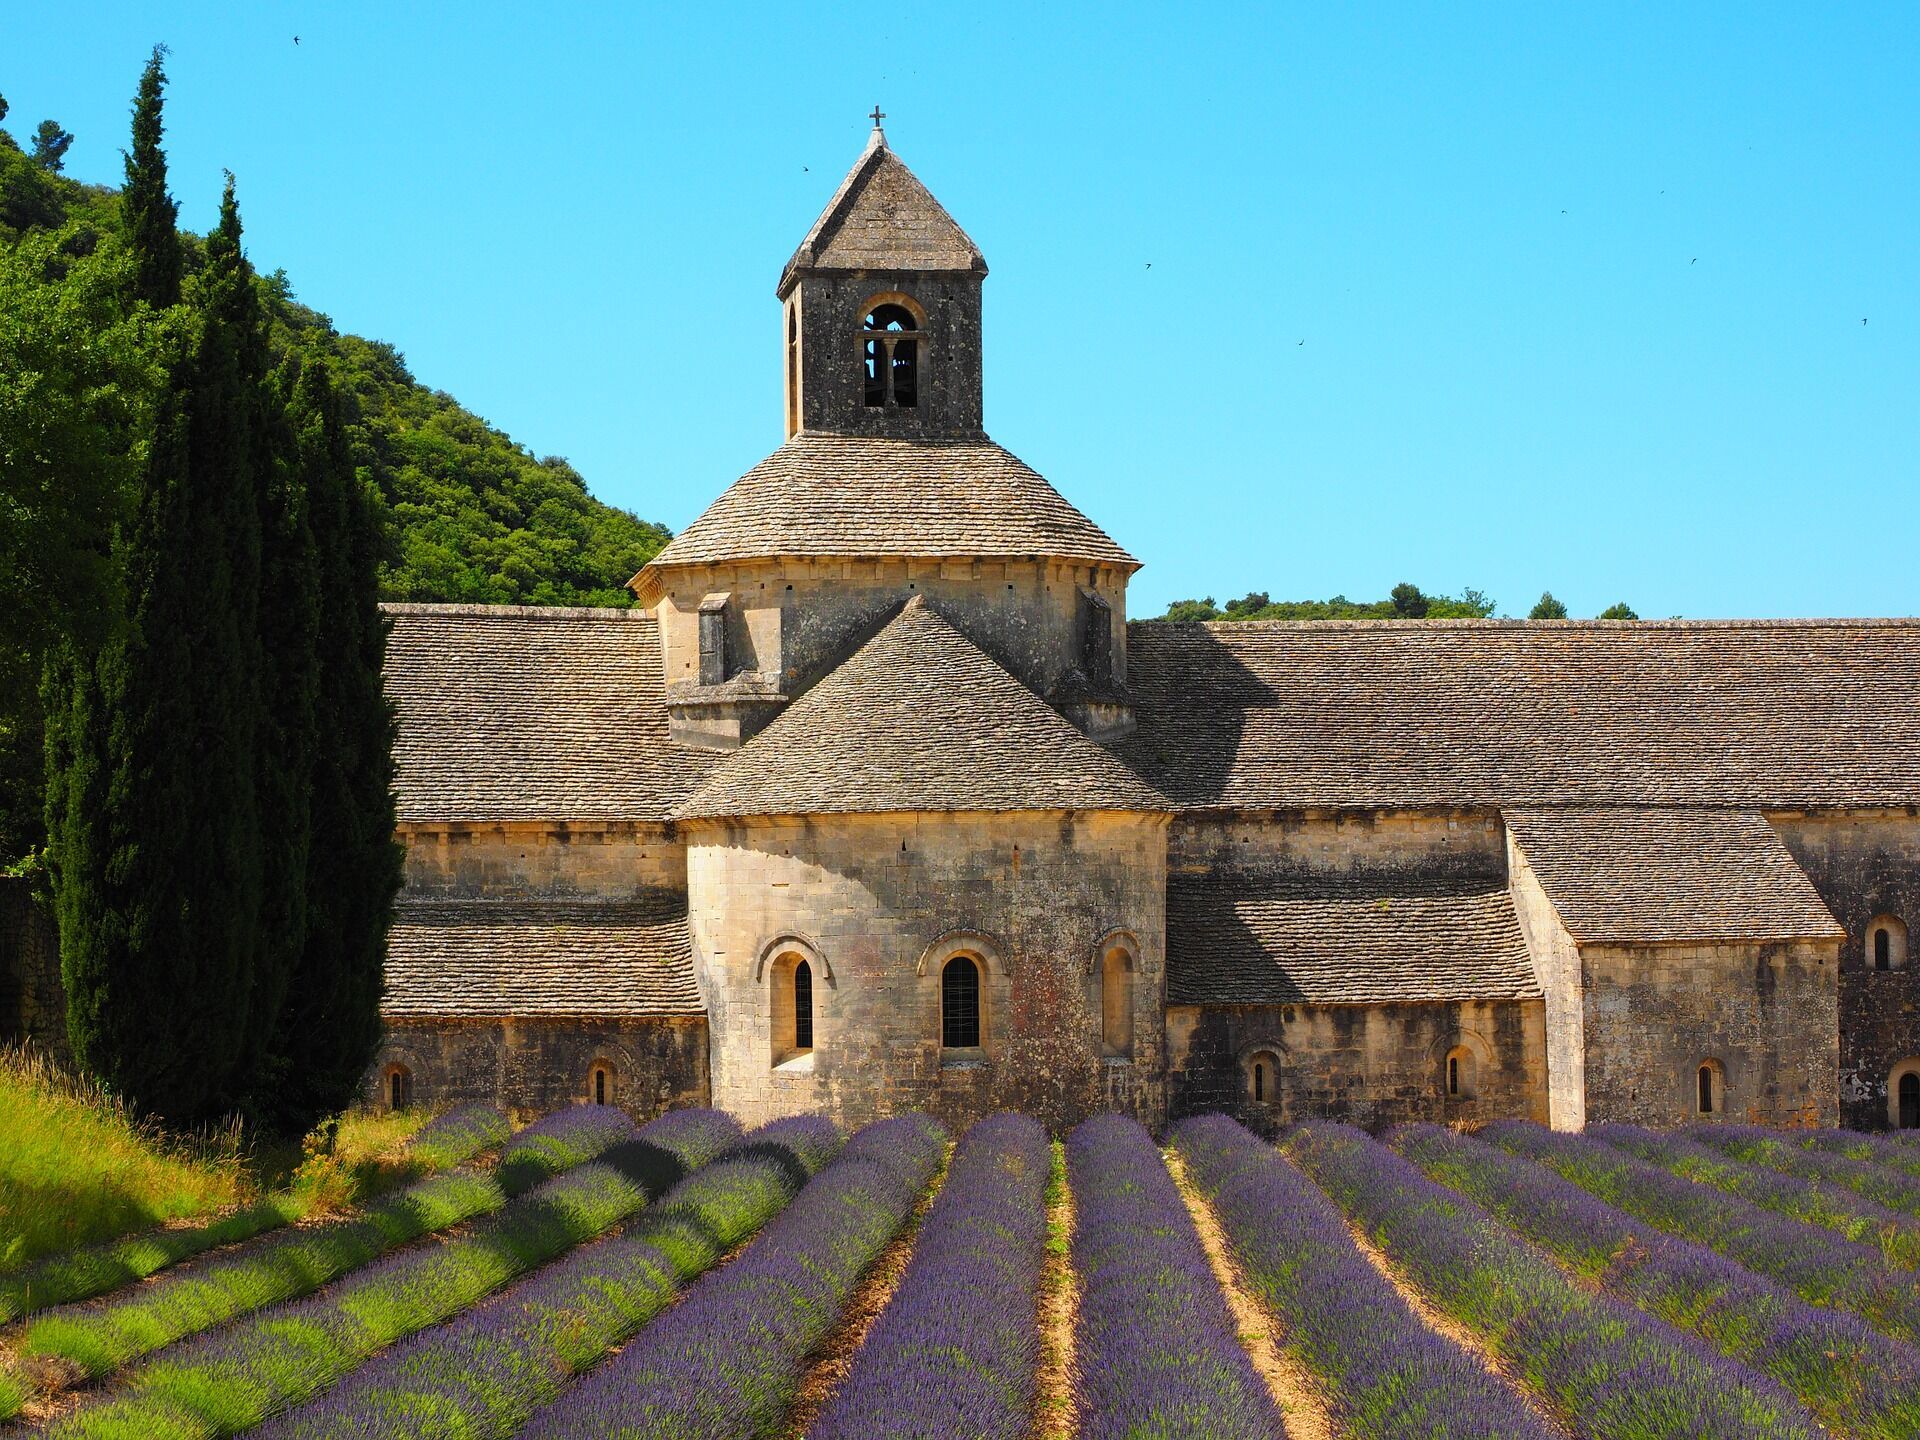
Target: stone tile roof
919,718
1234,941
511,713
493,958
883,218
1755,714
1669,876
847,495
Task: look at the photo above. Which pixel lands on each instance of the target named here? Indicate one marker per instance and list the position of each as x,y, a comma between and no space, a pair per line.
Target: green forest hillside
473,516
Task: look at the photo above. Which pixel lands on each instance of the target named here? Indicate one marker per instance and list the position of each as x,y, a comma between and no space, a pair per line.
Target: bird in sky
1694,261
296,39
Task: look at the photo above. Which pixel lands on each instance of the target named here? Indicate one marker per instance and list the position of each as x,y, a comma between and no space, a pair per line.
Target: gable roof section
511,713
1356,714
1629,877
496,959
919,718
851,496
883,218
1243,941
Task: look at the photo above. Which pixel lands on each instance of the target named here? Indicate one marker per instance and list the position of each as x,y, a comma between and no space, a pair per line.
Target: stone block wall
1388,846
877,904
1864,866
33,1003
532,1067
1369,1065
1556,961
543,860
1767,1013
827,369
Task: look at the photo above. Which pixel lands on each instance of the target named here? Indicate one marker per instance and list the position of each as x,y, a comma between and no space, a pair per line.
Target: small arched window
792,982
1462,1074
1263,1077
600,1083
960,1003
803,1006
1907,1101
890,357
399,1087
1116,1002
1710,1088
1887,943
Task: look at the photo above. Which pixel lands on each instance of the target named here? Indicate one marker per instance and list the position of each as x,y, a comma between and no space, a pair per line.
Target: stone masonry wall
1766,1012
542,860
829,310
33,1003
1865,866
1370,1065
876,904
533,1067
1389,846
1556,960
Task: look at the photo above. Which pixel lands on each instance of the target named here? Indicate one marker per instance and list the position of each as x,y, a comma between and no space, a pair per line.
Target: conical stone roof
918,719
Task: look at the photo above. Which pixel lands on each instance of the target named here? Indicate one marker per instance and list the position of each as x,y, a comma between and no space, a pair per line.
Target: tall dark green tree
160,933
329,1026
50,145
147,210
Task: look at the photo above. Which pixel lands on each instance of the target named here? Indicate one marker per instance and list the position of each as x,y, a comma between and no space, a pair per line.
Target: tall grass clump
1156,1351
484,1375
724,1364
1855,1380
1618,1373
956,1350
236,1377
1819,1266
1385,1373
78,1168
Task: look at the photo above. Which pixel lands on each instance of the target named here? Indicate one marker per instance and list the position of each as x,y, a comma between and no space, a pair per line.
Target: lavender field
689,1277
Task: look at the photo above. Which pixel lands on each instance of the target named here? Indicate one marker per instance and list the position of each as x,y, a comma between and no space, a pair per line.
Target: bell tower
881,311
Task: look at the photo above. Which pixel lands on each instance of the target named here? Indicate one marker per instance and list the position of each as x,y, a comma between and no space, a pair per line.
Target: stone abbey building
878,801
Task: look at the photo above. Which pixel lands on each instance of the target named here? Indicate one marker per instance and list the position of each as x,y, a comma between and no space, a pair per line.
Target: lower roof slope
1240,940
516,713
498,959
1670,876
919,718
845,495
1382,714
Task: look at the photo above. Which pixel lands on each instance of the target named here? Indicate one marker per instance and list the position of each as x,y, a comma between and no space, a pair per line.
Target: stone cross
878,116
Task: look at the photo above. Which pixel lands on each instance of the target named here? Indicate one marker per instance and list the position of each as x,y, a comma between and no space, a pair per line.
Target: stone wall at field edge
33,1005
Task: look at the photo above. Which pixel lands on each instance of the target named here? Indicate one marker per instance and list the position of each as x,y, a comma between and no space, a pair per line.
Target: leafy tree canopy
1547,608
1407,602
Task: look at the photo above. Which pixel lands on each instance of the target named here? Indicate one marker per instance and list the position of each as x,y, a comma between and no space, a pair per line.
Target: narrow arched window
1462,1074
1710,1089
399,1087
803,1006
1261,1071
600,1084
1882,949
1909,1101
1116,1002
960,1004
1887,942
1259,1082
890,357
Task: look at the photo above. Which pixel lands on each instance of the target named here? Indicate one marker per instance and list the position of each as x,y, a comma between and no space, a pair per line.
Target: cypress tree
330,1026
159,961
147,210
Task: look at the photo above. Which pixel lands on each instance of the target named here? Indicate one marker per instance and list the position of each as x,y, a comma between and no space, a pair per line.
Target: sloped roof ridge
918,719
932,216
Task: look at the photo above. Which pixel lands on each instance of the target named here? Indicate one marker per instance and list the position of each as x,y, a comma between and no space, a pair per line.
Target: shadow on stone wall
33,1006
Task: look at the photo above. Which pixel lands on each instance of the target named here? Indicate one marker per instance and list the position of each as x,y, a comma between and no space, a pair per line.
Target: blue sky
1306,299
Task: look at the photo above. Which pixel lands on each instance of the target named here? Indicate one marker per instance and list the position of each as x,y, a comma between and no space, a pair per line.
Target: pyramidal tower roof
883,218
919,719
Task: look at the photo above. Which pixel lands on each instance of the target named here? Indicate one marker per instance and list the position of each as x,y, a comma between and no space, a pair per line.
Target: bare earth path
1053,1417
1293,1386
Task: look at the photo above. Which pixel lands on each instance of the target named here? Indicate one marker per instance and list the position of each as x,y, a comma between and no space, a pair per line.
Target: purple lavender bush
1618,1374
1885,1150
1815,1264
1757,1145
1156,1351
1856,1381
957,1349
724,1363
1385,1373
563,1139
236,1377
486,1373
457,1136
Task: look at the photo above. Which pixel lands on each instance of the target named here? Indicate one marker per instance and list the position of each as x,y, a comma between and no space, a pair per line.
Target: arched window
1116,1002
1907,1101
791,976
1886,943
793,366
890,357
600,1083
1263,1077
960,1003
1462,1074
399,1087
1710,1088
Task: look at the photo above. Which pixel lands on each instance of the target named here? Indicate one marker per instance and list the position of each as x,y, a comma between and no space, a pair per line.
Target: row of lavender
1612,1371
1853,1379
232,1378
